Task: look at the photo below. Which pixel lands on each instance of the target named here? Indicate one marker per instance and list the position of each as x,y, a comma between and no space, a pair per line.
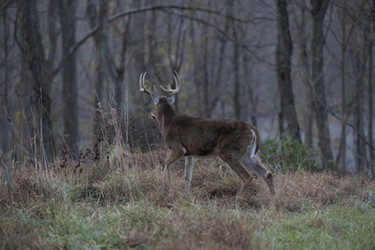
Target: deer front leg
173,157
189,165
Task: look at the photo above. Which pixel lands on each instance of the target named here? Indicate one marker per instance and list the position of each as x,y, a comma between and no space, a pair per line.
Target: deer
6,138
235,142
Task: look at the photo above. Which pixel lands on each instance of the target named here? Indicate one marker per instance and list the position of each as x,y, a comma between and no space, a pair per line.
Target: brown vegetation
152,211
138,177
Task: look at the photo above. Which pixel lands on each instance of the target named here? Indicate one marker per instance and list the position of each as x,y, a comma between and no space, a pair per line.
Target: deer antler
142,85
174,91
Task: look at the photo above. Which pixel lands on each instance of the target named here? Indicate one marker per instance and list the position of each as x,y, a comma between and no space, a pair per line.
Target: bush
289,155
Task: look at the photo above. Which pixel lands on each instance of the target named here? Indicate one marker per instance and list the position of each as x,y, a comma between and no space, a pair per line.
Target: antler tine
178,77
177,81
174,91
142,85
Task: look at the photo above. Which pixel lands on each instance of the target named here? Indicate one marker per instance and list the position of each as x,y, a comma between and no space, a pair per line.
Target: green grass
81,226
336,227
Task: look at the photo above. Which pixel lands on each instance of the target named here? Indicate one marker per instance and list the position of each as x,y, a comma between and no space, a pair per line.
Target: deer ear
156,100
171,99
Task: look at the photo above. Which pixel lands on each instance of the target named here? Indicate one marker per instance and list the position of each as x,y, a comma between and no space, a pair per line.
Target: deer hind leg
236,165
252,163
189,165
172,158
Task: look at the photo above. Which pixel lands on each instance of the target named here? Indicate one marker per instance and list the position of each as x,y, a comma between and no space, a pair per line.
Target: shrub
288,155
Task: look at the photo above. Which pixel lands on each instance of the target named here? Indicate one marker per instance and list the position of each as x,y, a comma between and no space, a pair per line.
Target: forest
86,166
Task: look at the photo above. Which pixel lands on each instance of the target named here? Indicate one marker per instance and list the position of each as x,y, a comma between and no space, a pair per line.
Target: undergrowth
288,155
127,201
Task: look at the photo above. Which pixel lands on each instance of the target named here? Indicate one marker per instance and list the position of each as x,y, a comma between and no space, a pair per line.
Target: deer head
163,109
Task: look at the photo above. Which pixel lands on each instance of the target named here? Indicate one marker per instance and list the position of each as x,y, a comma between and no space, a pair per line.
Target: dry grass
140,176
302,190
126,200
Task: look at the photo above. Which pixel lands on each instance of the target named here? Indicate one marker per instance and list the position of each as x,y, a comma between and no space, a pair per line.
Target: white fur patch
252,147
184,150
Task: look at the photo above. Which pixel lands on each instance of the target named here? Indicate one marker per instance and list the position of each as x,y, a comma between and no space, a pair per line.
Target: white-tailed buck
6,137
235,142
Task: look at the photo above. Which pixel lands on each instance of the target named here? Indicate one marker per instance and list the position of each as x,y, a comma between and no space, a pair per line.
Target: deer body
235,142
203,137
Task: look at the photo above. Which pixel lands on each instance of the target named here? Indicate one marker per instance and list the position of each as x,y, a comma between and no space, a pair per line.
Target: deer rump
202,137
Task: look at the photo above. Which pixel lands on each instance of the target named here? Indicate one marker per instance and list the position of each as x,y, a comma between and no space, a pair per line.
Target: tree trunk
370,111
176,55
360,68
196,78
219,71
342,148
36,63
100,44
66,9
236,71
304,62
206,82
118,73
253,99
4,103
370,90
319,9
283,68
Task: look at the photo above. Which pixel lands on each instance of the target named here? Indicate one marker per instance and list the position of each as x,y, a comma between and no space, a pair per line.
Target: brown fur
228,139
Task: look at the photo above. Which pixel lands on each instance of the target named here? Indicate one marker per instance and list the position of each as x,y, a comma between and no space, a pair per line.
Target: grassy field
126,201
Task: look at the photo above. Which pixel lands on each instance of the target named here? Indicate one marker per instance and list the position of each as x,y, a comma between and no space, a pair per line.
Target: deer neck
164,116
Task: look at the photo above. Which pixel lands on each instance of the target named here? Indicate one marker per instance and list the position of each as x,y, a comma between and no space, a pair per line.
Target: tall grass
127,201
112,198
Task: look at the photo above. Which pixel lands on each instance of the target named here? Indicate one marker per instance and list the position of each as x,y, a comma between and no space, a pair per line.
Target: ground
126,201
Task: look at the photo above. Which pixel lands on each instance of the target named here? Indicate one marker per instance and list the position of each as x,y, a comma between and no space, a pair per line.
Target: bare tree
305,72
319,9
236,69
34,52
66,10
371,31
359,55
176,54
221,59
4,89
283,68
117,72
6,137
345,38
100,21
204,72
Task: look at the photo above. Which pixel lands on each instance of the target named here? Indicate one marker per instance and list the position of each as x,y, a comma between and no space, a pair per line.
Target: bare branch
153,8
